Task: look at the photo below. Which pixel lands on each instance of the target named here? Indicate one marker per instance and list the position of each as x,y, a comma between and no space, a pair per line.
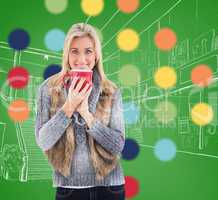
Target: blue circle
131,112
51,70
130,150
18,39
165,150
54,39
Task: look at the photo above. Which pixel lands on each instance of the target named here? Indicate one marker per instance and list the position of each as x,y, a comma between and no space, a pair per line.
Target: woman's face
82,53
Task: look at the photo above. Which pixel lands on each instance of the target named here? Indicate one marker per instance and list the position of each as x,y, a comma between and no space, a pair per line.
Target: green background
192,174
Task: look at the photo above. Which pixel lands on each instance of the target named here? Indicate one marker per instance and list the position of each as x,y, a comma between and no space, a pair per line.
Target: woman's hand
83,108
75,96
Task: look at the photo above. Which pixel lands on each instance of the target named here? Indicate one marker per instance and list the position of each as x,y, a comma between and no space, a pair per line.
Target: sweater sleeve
111,137
48,130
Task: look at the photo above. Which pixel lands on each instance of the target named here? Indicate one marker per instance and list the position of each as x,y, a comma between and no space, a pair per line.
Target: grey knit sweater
49,130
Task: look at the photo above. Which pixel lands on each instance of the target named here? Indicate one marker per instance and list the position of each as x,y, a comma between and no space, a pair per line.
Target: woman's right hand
75,96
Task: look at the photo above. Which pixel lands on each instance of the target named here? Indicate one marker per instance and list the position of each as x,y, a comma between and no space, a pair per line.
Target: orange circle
18,111
201,75
128,6
165,39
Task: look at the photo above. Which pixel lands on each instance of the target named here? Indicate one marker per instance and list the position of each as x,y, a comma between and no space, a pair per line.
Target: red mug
81,73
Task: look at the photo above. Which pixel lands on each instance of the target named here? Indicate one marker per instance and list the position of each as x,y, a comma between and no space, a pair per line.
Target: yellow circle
202,114
165,77
129,75
92,7
128,40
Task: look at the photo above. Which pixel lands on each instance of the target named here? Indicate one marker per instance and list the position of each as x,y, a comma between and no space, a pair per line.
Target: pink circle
18,77
131,186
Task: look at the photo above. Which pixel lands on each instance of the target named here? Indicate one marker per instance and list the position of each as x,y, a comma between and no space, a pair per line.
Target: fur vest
60,155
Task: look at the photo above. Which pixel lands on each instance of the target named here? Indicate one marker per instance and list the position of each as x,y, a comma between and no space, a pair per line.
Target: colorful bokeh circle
165,150
51,70
202,114
130,150
165,112
131,187
128,6
19,39
131,112
18,77
18,110
165,39
201,75
129,75
56,6
92,7
128,40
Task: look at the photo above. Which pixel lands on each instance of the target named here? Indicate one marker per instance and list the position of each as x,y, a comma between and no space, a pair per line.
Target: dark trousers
94,193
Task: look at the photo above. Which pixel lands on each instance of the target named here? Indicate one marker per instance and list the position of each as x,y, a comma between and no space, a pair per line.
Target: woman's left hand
83,107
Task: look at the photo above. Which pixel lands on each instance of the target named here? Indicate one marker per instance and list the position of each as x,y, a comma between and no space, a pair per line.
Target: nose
81,60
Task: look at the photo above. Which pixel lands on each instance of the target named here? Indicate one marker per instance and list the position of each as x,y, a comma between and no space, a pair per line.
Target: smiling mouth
82,67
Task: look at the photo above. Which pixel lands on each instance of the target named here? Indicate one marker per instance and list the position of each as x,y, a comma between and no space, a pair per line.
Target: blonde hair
81,30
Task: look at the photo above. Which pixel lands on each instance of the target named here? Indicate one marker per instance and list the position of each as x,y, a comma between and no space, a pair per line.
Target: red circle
18,77
201,75
165,39
131,186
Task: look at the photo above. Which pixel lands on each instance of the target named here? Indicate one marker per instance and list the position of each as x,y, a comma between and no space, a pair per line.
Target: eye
74,51
89,51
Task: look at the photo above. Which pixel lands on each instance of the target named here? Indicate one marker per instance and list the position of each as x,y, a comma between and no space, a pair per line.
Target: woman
82,131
